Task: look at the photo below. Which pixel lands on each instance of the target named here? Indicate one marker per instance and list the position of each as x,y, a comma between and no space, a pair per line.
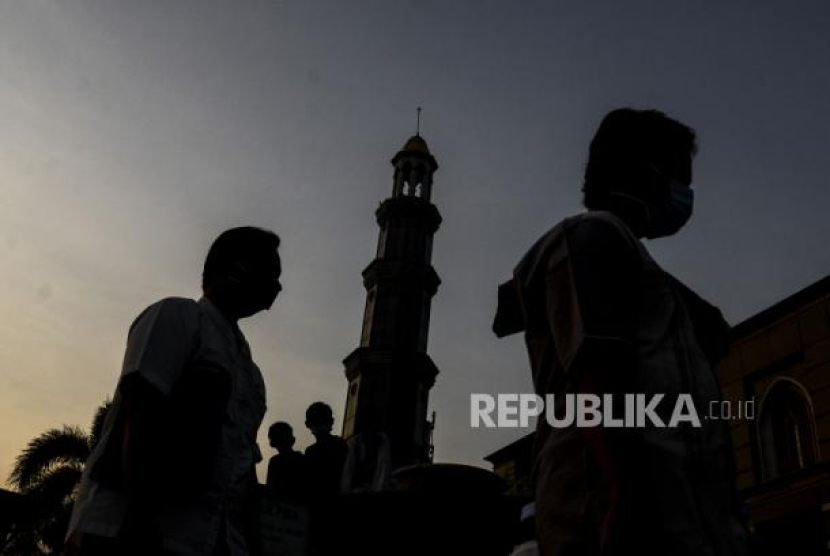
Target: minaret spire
418,126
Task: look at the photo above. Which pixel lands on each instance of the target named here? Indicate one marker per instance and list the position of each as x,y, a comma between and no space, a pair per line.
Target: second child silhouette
325,458
286,470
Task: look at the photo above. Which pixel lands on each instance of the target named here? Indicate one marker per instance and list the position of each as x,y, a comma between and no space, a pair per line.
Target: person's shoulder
552,247
539,251
178,304
596,223
598,230
552,232
181,310
173,304
335,445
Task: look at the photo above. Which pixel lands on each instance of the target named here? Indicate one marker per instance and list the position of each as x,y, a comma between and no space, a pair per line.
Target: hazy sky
132,133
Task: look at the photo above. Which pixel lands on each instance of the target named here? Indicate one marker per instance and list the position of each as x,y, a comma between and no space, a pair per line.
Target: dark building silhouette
780,358
390,374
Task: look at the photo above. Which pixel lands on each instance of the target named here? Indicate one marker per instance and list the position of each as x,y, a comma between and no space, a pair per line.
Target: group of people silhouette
330,465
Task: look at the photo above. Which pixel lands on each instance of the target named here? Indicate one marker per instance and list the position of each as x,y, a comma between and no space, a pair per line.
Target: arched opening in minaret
413,189
413,180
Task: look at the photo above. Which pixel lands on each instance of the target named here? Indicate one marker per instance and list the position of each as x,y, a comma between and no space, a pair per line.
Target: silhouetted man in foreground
174,470
601,317
286,470
324,458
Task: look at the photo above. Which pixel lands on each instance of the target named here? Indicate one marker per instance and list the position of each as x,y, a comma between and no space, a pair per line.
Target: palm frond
98,423
55,487
67,445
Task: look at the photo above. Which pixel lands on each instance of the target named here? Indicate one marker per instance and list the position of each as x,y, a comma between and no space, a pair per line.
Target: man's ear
510,317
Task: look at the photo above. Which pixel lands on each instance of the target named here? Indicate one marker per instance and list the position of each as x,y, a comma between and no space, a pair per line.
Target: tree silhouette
47,472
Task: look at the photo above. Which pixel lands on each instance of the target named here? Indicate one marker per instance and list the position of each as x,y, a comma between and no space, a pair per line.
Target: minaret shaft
390,374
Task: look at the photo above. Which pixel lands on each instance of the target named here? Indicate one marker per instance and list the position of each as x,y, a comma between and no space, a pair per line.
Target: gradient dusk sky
132,133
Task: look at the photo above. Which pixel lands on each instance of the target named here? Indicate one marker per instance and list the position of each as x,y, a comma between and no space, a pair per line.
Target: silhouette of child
325,458
286,470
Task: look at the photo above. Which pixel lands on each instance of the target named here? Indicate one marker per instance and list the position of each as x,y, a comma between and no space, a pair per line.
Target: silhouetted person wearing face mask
286,470
174,470
324,458
601,317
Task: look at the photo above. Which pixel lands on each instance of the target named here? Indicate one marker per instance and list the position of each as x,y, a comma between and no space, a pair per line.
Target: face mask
666,215
259,292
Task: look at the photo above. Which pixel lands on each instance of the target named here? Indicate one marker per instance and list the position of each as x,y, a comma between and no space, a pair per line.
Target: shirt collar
214,311
232,326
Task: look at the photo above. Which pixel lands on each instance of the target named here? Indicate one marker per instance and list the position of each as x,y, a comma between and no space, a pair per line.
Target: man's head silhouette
319,419
281,436
242,271
640,168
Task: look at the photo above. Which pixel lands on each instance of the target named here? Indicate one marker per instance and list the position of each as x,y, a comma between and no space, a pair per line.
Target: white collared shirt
170,336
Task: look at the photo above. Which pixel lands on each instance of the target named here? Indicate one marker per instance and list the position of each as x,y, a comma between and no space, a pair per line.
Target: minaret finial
418,127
